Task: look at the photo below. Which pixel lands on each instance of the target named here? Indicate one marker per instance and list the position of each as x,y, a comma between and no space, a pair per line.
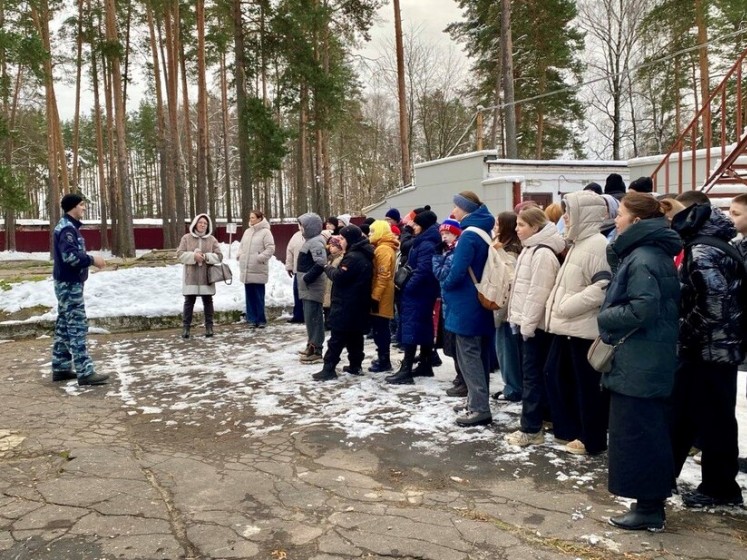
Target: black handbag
220,272
402,276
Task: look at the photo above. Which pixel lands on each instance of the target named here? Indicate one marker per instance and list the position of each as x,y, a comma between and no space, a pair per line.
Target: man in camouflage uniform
71,264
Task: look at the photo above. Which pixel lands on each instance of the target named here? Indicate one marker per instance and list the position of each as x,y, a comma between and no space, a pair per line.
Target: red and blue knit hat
452,226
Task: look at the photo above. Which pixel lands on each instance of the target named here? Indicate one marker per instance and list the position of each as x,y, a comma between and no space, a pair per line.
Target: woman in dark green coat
642,303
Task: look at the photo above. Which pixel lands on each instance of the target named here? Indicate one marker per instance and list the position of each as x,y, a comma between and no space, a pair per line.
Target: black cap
70,201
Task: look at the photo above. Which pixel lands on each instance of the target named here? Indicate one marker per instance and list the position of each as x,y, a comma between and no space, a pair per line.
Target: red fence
36,239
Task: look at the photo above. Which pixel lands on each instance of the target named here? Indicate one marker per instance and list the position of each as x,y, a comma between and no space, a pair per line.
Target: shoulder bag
220,272
600,353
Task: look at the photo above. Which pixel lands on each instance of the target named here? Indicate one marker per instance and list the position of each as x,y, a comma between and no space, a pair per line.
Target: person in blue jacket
465,316
417,301
70,359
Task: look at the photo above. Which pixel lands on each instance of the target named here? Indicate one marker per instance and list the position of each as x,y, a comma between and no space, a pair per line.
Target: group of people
661,279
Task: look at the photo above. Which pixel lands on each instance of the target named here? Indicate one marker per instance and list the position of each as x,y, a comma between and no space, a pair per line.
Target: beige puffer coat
256,249
291,252
534,278
582,281
194,278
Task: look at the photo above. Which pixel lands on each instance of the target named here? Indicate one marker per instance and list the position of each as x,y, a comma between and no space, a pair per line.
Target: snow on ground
256,374
150,292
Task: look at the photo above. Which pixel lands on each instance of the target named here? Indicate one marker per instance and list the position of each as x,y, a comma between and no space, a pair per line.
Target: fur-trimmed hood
193,225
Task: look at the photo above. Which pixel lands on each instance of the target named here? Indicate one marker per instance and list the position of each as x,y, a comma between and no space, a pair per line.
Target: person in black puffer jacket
710,352
350,311
639,315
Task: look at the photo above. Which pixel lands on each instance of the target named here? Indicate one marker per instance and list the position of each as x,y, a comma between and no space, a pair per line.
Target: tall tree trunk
127,240
100,154
78,71
171,25
404,142
202,125
245,172
187,127
167,190
507,65
301,196
226,153
701,7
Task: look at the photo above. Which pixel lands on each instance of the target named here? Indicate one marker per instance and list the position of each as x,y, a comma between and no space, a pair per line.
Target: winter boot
648,515
189,306
353,370
209,314
308,350
404,375
185,332
314,355
328,373
436,359
424,367
381,365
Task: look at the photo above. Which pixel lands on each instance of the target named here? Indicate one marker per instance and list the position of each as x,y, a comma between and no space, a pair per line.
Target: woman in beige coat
579,409
256,249
197,250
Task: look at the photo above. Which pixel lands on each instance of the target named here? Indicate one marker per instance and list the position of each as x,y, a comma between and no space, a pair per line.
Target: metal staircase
711,152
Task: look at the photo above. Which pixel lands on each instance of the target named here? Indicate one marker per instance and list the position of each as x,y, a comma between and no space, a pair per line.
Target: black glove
442,247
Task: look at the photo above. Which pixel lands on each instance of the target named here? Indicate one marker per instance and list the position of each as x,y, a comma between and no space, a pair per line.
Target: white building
500,183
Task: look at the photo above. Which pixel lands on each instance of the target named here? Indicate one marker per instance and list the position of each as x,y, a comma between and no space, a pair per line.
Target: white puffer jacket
534,278
582,281
256,249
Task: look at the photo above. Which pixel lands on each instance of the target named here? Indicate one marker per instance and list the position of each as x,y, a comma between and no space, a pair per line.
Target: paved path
226,450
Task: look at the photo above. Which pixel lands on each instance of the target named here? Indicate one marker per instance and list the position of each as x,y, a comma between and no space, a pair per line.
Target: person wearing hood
291,263
350,311
615,186
536,269
197,250
382,292
417,301
464,315
312,258
70,358
711,349
608,228
579,410
640,316
256,248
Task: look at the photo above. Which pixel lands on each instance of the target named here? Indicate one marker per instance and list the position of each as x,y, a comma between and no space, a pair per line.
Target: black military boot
403,376
425,365
328,373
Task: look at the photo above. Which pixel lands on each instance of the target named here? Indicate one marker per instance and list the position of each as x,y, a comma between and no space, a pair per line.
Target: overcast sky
429,16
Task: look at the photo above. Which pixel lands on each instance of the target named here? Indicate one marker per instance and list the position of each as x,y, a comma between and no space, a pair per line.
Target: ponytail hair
642,206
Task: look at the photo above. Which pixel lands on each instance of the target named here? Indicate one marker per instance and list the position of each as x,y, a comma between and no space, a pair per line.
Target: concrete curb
33,329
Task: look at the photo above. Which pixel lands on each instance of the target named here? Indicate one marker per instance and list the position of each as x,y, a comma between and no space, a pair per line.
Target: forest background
279,105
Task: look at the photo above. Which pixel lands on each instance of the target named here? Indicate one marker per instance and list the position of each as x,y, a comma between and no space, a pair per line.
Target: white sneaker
523,439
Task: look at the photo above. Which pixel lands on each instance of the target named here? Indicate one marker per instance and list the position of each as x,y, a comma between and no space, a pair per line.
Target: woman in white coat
256,249
578,407
534,278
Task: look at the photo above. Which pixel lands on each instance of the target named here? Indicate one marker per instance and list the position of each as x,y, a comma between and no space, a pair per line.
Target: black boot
424,367
647,515
404,375
189,306
381,365
207,302
327,373
436,359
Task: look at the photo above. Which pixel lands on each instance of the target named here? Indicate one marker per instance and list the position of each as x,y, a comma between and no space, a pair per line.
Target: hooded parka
582,280
385,246
312,257
195,276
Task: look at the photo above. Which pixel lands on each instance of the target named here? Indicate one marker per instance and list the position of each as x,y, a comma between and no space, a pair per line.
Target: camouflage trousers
70,330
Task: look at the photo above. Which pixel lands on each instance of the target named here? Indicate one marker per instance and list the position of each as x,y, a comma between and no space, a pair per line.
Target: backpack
731,252
494,287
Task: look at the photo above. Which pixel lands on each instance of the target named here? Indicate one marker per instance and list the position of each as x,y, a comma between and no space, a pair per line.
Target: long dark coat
420,293
350,308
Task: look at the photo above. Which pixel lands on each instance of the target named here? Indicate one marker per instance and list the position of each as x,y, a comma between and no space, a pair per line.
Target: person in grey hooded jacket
311,282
